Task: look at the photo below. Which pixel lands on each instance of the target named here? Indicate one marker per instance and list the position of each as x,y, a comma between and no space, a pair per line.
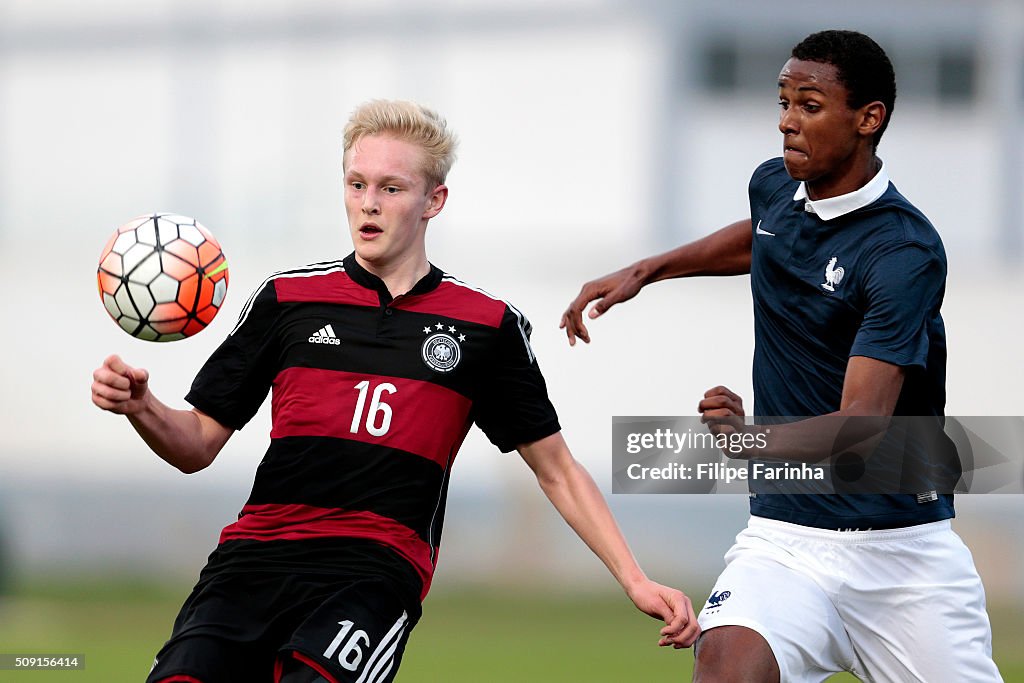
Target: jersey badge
833,275
441,350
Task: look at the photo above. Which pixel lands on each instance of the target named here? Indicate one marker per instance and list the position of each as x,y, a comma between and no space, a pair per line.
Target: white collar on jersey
834,207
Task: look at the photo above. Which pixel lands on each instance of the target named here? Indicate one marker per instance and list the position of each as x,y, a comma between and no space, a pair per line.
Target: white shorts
895,605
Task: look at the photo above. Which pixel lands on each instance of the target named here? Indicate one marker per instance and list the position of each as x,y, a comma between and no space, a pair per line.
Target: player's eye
391,189
356,185
784,104
812,107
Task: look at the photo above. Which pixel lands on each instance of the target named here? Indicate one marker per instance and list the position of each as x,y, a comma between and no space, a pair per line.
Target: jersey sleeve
236,379
512,407
903,292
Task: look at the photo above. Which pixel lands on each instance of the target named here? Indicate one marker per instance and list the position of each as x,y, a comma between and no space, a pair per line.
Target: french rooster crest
833,275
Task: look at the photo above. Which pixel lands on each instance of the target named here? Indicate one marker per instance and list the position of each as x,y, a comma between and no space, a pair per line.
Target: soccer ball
162,277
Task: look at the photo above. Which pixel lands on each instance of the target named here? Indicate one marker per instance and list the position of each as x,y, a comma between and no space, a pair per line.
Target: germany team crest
441,351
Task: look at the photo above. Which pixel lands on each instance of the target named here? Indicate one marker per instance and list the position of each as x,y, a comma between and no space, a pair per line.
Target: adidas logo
325,335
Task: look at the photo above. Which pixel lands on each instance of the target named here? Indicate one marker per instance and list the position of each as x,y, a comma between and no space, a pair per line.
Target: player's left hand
671,606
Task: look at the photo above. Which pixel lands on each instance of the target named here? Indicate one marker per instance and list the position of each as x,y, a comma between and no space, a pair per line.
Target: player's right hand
118,387
721,410
622,285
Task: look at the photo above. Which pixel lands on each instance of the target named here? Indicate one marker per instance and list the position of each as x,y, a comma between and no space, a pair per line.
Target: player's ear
872,116
438,196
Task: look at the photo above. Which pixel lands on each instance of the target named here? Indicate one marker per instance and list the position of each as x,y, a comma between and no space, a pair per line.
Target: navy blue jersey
372,397
869,282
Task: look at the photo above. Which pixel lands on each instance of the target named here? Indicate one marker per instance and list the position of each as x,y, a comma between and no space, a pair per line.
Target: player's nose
788,122
371,206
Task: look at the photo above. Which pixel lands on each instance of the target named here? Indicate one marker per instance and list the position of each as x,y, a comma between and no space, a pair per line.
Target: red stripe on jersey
420,417
294,522
336,288
455,301
179,678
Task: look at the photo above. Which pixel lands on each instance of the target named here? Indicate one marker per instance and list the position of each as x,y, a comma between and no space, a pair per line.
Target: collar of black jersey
364,278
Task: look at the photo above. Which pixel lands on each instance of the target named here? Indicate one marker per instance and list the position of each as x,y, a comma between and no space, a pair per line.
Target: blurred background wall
593,133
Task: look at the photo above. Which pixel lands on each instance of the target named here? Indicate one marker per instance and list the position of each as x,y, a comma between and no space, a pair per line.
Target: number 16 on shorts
352,645
351,654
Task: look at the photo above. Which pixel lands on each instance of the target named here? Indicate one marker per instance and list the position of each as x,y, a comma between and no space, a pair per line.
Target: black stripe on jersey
372,344
350,475
319,268
344,558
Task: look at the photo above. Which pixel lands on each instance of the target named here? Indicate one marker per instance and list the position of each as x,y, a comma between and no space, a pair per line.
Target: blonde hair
410,122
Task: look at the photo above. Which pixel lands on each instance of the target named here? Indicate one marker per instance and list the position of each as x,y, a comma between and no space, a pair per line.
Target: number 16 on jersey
376,407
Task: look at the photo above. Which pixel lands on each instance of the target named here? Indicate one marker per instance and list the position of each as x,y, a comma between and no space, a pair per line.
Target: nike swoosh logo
222,267
759,231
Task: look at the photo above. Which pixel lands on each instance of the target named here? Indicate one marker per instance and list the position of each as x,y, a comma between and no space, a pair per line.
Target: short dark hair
861,64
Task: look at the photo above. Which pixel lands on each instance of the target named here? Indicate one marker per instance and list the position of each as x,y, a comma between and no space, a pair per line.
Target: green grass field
500,636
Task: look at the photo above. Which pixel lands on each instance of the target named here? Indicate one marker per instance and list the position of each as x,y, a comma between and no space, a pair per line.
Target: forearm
724,252
871,389
578,500
182,438
819,439
576,497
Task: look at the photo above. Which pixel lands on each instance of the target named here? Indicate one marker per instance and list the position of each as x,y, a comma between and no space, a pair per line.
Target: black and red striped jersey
372,397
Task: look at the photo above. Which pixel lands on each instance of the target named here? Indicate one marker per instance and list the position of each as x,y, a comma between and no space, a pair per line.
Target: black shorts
242,627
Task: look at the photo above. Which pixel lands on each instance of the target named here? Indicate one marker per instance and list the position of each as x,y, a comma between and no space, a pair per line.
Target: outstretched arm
725,252
187,439
576,497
